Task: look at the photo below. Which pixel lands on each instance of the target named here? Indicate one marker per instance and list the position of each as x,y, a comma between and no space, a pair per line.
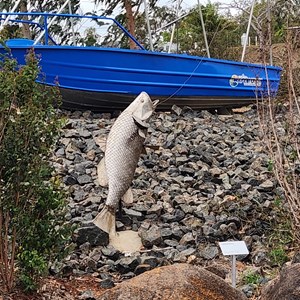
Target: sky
88,5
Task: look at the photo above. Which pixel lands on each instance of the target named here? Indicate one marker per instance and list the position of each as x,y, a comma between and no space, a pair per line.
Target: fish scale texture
123,149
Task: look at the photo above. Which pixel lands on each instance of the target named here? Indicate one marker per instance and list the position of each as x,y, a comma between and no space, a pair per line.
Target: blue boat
107,79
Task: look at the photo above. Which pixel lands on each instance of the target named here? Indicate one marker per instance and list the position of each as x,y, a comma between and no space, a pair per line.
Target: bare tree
281,134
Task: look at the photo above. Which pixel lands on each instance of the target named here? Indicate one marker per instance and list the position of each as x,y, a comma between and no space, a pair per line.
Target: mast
174,25
248,30
203,29
148,24
270,31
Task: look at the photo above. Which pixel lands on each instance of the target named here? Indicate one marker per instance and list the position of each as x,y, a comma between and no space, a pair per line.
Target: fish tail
106,220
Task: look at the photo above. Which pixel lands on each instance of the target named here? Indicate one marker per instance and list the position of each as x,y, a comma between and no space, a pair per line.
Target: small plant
278,256
270,165
278,202
252,278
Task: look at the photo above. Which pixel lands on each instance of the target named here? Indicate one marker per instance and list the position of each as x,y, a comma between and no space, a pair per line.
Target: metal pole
171,23
148,24
203,29
51,22
233,271
248,30
270,31
72,23
174,26
13,10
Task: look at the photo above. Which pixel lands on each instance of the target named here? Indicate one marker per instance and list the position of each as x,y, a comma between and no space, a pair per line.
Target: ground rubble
208,181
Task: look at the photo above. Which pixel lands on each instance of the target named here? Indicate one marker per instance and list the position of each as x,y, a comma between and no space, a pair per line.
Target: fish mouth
155,103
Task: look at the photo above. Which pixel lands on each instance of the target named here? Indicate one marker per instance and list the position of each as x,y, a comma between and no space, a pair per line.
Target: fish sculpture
124,145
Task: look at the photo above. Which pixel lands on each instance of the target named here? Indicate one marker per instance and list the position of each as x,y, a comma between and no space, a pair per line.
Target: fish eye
142,100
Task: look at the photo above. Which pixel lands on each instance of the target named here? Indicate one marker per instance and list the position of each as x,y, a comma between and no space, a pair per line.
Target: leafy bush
32,206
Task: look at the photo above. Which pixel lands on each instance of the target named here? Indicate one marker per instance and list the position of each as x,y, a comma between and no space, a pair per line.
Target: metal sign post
232,249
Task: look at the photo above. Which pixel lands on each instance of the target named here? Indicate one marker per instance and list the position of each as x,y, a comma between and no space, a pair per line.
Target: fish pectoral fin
106,221
101,171
128,197
144,151
142,133
140,122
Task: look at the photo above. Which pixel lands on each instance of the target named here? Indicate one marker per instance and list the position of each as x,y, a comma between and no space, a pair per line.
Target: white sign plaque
234,248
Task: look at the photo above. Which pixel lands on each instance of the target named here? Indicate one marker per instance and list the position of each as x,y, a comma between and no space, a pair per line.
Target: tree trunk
130,22
25,27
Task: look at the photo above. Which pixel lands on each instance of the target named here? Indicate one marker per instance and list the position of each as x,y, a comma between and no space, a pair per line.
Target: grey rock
209,252
128,264
91,234
248,290
70,180
151,237
166,233
187,239
111,252
266,186
142,268
152,261
188,252
133,213
171,243
84,179
87,295
107,283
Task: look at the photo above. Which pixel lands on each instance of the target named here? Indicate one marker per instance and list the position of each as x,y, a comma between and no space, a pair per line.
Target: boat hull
107,102
106,79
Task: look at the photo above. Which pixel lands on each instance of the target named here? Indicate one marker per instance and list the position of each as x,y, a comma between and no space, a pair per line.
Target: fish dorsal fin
102,174
128,197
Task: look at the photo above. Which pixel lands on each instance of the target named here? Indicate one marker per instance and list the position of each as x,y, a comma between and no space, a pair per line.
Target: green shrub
32,206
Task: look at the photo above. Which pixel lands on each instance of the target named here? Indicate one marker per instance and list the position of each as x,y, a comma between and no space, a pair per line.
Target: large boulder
285,287
175,282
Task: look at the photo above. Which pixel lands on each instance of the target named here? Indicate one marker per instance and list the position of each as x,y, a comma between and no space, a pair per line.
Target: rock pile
207,180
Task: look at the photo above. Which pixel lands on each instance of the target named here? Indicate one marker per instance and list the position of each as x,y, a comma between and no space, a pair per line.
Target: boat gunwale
146,52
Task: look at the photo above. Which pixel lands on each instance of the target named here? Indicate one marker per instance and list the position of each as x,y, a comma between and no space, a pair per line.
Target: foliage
32,207
252,277
130,16
51,5
10,32
222,32
91,37
59,30
278,256
285,13
281,236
